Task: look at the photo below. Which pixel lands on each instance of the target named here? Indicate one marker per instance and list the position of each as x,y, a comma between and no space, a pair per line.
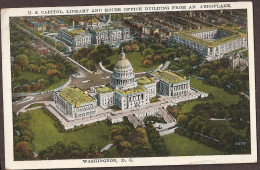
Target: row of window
84,114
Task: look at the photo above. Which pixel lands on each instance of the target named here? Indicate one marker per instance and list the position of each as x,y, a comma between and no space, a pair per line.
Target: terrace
138,89
75,32
145,80
75,96
169,77
104,89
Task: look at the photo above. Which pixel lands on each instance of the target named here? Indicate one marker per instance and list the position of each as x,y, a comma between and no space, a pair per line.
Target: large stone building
110,34
75,38
125,91
75,103
171,84
237,61
212,43
94,32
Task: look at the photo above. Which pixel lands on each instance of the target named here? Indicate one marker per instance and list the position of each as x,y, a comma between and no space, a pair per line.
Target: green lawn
32,76
136,60
175,65
183,146
56,84
35,105
29,76
45,133
219,95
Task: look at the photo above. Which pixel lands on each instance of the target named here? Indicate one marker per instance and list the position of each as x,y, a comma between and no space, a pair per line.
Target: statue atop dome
122,54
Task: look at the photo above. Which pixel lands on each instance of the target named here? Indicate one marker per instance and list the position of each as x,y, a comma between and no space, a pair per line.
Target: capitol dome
123,76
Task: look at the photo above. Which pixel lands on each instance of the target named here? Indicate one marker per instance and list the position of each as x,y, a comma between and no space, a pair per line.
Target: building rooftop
138,89
104,89
76,32
145,80
169,77
188,35
93,20
75,96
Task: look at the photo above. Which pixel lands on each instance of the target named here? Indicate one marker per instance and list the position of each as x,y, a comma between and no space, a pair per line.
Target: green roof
75,96
145,80
169,77
104,89
75,32
138,89
189,36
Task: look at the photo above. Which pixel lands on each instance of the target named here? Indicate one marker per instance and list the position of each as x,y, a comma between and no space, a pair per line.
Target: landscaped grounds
219,95
182,146
46,134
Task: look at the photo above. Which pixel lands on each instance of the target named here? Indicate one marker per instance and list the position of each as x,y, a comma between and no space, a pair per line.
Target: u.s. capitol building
124,92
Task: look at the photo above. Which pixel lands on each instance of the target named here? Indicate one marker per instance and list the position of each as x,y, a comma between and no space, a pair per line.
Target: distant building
36,26
238,62
212,43
76,38
110,34
42,50
95,33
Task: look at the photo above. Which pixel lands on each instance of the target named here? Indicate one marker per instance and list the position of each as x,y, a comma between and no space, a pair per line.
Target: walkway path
166,65
107,147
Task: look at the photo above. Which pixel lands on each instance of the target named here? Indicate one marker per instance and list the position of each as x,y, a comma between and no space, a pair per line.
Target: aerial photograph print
130,85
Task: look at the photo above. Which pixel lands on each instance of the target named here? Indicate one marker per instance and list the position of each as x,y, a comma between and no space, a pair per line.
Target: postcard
128,85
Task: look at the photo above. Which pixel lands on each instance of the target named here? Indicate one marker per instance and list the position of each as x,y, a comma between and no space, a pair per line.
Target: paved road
95,79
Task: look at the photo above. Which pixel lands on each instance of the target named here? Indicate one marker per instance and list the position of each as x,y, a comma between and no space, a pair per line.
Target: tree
188,69
214,80
32,67
25,149
157,58
22,60
94,151
147,63
184,60
91,65
148,51
135,47
172,55
205,72
16,69
182,120
127,48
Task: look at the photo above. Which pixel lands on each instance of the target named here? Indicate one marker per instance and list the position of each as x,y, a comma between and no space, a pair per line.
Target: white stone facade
215,51
93,36
79,40
84,110
151,88
238,62
128,101
106,100
110,34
